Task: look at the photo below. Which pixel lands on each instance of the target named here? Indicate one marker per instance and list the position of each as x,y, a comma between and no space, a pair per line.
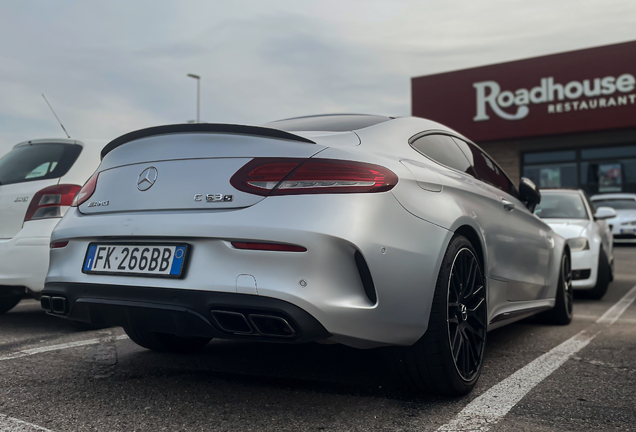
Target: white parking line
489,408
33,351
617,310
10,424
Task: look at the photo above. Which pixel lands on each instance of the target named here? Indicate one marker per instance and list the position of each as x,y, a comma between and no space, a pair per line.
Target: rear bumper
403,255
178,311
624,238
24,259
624,234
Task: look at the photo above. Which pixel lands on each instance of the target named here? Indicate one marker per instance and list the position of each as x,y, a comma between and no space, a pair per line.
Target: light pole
198,78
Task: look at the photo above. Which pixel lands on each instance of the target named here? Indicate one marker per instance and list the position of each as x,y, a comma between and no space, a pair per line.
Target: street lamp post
198,78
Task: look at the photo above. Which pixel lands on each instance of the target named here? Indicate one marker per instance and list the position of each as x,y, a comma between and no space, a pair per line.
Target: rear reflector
286,176
86,192
59,245
269,247
51,202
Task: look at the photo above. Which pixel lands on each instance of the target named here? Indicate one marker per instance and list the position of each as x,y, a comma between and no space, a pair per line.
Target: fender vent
365,277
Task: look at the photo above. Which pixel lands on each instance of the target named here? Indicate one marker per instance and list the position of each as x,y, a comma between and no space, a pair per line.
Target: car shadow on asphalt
333,369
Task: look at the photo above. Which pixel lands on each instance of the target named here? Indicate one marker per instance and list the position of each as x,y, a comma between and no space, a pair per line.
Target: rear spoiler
202,128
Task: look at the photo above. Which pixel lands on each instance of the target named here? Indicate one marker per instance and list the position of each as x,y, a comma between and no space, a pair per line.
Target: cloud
112,67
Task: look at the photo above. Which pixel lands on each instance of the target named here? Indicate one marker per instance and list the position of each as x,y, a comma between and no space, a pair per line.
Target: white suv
38,181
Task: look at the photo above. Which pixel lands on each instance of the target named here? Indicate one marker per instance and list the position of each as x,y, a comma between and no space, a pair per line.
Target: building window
595,170
609,176
609,152
546,176
553,156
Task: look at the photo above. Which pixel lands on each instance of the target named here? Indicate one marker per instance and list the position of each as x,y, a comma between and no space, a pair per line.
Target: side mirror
605,213
529,193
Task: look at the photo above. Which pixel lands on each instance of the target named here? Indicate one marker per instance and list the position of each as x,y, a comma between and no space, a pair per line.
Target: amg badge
99,203
214,197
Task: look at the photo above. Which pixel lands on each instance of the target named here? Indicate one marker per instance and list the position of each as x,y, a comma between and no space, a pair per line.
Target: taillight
268,247
86,192
51,202
280,176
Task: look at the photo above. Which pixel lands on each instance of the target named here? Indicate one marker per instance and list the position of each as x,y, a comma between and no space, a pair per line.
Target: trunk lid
183,171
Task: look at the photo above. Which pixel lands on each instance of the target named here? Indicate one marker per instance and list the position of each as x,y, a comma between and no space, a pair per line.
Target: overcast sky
114,66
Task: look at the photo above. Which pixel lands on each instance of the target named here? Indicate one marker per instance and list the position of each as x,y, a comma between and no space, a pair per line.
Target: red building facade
563,120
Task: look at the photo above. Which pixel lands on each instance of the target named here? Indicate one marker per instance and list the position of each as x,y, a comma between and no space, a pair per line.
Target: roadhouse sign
591,89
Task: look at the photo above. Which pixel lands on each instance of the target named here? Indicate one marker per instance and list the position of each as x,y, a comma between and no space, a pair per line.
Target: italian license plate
152,260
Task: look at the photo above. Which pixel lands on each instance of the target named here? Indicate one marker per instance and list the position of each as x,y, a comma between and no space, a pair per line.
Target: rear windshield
617,204
328,123
37,162
561,206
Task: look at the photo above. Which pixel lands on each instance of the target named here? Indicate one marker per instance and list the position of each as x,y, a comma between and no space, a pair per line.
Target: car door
523,251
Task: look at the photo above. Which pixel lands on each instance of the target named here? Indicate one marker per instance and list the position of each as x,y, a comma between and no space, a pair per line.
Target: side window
40,171
442,149
486,169
37,162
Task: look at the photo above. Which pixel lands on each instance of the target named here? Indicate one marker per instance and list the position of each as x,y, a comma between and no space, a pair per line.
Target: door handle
507,204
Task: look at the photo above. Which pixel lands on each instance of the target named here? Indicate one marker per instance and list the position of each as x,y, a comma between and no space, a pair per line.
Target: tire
8,303
164,342
561,313
603,278
448,359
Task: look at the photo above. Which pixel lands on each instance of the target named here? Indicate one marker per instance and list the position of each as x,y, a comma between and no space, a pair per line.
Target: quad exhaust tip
253,324
45,302
232,322
269,325
56,305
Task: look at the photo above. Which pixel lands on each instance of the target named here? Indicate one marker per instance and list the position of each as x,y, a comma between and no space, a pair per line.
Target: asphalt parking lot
54,377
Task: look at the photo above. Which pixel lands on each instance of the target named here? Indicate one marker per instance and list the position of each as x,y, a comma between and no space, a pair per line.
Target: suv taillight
286,176
51,202
86,192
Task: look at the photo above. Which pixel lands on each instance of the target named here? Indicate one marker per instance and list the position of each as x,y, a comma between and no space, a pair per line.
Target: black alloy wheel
466,314
448,358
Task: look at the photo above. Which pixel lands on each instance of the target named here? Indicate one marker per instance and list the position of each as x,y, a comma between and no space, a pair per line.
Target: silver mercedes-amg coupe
362,230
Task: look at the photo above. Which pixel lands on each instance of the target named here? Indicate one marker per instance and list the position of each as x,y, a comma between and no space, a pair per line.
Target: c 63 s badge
214,197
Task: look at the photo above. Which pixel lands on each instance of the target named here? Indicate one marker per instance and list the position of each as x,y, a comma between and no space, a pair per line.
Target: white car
573,216
367,231
38,181
623,226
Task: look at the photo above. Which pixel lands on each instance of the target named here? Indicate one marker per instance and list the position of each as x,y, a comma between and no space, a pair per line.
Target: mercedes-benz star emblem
147,178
